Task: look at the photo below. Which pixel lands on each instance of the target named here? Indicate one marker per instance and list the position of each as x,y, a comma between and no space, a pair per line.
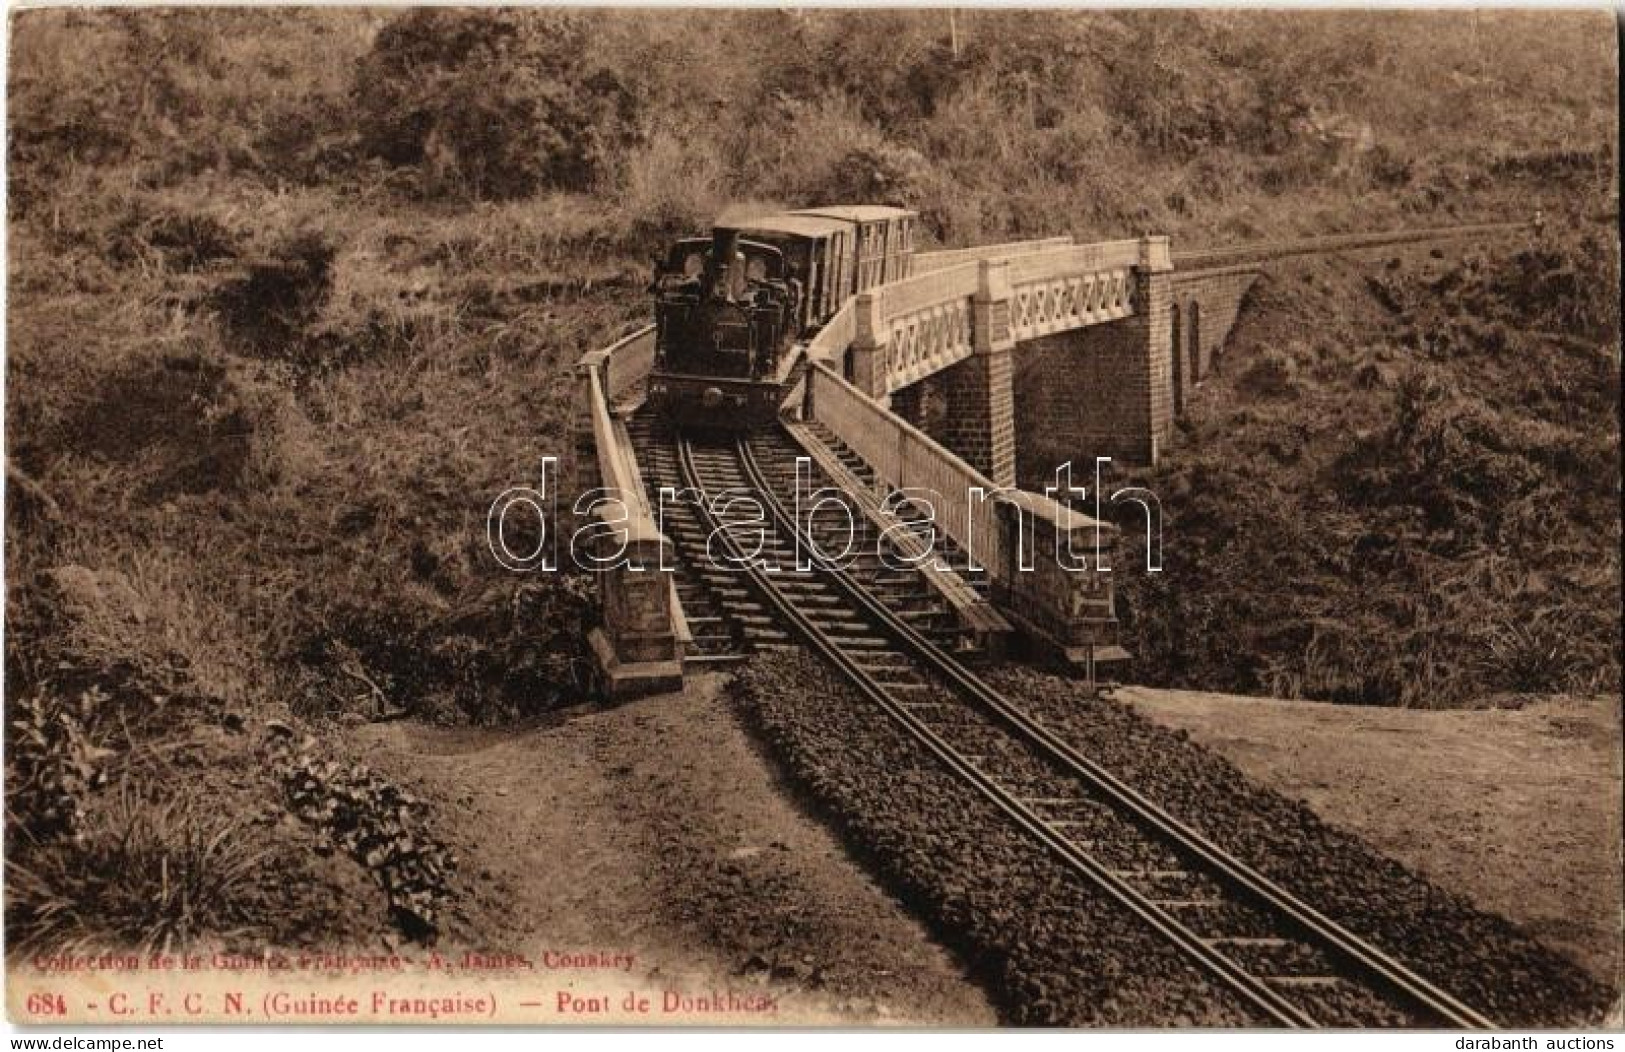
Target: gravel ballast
1481,958
1051,949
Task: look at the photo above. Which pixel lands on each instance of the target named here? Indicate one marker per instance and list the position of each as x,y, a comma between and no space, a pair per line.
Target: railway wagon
885,240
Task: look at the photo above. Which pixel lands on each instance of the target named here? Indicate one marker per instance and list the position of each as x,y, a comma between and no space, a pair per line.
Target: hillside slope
1401,484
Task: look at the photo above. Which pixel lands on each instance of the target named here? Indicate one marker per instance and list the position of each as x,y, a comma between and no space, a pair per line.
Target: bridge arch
1178,355
1195,311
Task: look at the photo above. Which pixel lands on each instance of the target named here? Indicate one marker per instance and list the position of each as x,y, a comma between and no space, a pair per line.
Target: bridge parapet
1024,540
606,376
640,642
907,330
925,262
1071,288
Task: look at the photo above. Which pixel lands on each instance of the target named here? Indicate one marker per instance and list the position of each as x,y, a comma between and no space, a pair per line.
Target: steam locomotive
733,312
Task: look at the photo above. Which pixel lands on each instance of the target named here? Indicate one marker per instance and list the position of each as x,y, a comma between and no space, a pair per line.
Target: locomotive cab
721,307
732,311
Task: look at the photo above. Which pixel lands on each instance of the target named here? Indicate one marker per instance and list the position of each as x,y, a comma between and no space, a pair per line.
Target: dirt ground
655,830
1518,809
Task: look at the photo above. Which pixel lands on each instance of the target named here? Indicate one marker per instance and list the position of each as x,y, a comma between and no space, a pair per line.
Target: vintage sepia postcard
929,518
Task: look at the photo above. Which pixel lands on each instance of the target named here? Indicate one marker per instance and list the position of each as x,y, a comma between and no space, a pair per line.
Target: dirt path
1517,809
655,837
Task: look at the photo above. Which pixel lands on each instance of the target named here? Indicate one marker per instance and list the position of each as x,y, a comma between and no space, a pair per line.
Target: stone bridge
1097,348
981,369
941,348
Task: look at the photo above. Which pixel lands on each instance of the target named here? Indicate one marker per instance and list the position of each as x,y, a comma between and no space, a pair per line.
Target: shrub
490,104
51,763
882,173
670,186
170,237
898,68
1533,652
1270,376
271,303
504,653
383,828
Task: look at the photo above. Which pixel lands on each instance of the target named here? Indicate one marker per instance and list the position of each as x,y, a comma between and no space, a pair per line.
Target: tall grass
145,874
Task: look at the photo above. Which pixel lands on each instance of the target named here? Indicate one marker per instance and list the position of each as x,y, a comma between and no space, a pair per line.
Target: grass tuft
142,873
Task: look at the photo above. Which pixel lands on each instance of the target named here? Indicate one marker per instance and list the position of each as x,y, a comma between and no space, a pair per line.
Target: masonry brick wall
1209,301
970,408
1106,390
1152,295
1079,395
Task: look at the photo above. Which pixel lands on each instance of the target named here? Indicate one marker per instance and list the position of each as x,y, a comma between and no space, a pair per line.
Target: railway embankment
1062,957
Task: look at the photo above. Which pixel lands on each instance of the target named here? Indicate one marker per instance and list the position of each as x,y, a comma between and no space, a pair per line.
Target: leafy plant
380,826
52,764
1533,652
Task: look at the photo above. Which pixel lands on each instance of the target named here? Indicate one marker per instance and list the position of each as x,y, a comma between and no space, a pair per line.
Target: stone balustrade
641,637
1024,540
1071,288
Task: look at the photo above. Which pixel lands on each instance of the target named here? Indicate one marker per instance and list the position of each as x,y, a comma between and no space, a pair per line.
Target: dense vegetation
294,293
1402,486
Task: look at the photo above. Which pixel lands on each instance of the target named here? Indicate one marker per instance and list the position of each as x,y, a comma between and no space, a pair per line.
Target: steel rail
1250,988
1264,251
1374,962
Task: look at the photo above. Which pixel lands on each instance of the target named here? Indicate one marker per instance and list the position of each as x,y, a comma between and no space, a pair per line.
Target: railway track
1285,961
728,617
1266,251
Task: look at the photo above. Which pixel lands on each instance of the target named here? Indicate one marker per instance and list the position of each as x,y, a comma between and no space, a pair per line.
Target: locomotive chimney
724,249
